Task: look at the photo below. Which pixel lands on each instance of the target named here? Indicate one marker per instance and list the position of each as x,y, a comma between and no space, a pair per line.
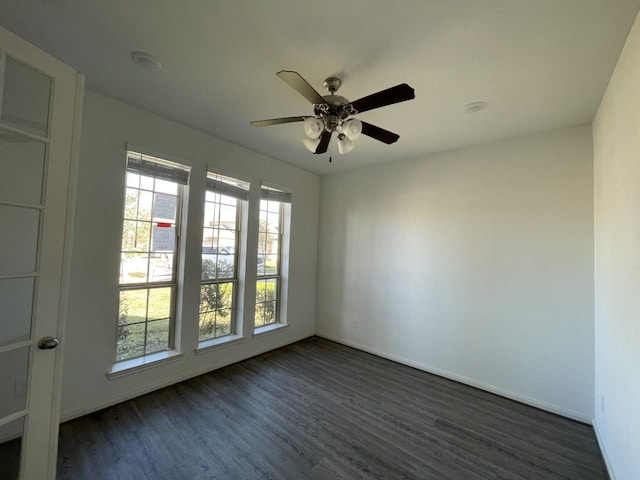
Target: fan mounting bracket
332,84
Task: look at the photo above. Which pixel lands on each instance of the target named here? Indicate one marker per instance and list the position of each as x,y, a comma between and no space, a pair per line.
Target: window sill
269,329
216,343
135,365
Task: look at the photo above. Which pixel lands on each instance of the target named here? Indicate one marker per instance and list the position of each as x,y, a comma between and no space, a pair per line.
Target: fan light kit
332,113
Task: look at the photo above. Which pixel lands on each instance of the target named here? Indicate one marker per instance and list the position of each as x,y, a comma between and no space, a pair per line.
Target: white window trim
134,365
283,300
217,343
283,259
269,329
239,280
128,367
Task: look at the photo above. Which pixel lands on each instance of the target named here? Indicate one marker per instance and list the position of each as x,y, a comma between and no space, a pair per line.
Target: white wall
616,131
90,337
476,264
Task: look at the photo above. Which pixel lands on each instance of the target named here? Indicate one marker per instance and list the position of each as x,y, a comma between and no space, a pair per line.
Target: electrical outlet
602,403
354,323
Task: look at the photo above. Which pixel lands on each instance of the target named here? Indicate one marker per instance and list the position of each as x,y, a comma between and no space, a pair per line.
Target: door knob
47,343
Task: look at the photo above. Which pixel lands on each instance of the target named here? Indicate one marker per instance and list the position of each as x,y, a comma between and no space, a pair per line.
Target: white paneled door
40,105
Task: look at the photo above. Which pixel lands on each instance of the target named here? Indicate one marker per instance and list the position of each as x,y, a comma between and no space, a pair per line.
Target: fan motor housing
332,107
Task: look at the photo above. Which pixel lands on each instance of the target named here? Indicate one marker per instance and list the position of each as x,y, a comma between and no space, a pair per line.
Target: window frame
219,184
271,193
181,181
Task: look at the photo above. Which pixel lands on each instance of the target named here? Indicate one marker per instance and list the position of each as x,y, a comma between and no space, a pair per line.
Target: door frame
40,434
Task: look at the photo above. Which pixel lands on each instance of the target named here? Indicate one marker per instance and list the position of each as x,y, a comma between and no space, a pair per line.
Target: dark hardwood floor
319,410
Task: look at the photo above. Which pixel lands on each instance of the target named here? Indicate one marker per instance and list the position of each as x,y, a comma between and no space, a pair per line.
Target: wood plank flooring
320,410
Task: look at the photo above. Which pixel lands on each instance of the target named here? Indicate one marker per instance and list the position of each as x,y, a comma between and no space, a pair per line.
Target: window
273,207
148,260
224,200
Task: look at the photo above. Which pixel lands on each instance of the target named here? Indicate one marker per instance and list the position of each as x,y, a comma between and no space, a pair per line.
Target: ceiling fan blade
399,93
324,142
276,121
378,133
295,80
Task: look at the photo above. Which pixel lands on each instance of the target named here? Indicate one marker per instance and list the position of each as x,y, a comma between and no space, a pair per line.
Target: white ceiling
540,64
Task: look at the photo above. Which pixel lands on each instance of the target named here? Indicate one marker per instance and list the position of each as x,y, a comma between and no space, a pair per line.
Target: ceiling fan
333,113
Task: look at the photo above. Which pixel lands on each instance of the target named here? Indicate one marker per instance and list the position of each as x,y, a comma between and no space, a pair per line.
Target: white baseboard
603,450
549,407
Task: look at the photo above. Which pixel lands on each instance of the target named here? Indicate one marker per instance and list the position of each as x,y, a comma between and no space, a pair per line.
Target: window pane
144,321
129,235
210,217
216,296
130,341
273,223
19,239
228,217
146,182
269,312
135,236
225,266
133,306
13,381
261,266
216,301
131,204
157,336
267,289
145,200
16,299
223,323
271,265
21,168
210,196
209,237
161,268
159,303
218,262
214,324
273,206
26,98
165,186
266,295
227,239
208,268
133,180
134,268
262,243
263,221
272,244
